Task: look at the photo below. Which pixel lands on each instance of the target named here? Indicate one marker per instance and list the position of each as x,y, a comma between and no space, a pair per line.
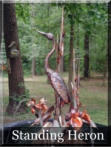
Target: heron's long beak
47,35
42,33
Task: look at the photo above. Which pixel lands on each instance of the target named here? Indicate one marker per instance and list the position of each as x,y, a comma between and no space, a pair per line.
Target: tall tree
86,56
70,10
87,27
71,54
92,17
15,74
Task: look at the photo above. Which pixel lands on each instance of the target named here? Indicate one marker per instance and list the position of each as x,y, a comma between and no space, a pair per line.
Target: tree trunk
33,66
71,58
15,74
109,63
0,23
86,56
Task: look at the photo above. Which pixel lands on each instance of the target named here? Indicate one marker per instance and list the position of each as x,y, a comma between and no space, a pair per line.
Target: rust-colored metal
55,79
74,117
45,116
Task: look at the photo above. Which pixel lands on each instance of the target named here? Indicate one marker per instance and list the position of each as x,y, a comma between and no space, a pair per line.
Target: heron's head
47,35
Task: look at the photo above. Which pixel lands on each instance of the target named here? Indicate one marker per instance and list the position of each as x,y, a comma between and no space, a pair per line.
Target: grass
93,96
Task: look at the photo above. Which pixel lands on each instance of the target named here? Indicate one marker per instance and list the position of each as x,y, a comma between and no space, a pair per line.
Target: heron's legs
57,107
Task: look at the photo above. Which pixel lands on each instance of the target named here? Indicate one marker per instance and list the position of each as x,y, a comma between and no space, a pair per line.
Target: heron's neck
49,55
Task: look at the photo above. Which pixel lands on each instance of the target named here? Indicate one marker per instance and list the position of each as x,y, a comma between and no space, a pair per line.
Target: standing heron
56,81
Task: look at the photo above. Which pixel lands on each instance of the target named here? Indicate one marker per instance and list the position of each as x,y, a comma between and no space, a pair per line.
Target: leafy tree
47,18
15,73
94,15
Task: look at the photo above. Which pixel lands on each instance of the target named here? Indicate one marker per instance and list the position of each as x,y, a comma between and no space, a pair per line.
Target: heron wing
60,86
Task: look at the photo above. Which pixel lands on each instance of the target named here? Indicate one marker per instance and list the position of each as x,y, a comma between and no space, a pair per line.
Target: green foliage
47,17
22,12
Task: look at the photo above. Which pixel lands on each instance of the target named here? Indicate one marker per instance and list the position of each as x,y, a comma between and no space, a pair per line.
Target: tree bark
109,63
71,58
15,74
33,66
86,56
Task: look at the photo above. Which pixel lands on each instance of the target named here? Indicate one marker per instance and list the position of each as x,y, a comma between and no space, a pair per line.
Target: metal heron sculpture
74,117
56,81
